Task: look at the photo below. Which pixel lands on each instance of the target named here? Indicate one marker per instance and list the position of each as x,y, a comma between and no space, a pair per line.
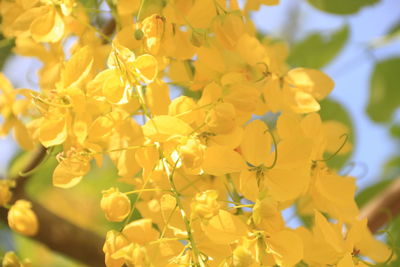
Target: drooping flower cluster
211,179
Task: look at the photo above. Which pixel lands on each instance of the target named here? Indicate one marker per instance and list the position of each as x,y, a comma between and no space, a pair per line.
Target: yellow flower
114,241
22,219
116,205
191,154
205,204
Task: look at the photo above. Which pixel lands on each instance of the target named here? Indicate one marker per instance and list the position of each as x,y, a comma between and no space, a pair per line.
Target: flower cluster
211,180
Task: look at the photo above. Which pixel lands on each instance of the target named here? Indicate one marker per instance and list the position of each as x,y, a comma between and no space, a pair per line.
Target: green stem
234,193
170,174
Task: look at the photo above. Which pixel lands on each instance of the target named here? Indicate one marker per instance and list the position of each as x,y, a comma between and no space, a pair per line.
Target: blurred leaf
307,220
149,7
395,131
6,46
332,110
394,231
41,255
389,37
384,93
341,7
392,168
91,4
395,29
317,50
370,192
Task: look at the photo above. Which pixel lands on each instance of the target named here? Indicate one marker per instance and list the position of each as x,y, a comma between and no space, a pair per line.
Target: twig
383,208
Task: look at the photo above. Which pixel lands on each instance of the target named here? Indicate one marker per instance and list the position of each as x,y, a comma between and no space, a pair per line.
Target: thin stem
146,190
170,174
276,151
233,192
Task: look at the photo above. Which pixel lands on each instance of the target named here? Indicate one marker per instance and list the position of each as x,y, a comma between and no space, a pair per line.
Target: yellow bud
114,241
205,204
221,119
153,29
22,219
116,205
10,259
5,194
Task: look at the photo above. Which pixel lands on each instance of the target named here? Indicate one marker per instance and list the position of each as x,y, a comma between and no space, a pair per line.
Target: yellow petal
69,172
77,68
340,206
346,261
157,97
224,228
315,82
325,232
286,247
362,239
161,128
114,88
256,143
147,67
248,185
53,131
287,184
48,27
140,231
219,160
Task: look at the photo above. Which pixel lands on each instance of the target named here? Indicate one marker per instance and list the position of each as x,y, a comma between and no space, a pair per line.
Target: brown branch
55,232
383,208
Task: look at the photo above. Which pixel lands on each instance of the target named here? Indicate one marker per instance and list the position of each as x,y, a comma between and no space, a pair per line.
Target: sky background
350,71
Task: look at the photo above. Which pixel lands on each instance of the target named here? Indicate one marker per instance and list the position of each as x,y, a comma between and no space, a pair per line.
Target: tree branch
55,232
383,208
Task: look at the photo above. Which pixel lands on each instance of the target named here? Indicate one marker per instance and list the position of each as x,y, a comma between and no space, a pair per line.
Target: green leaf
317,50
392,168
91,4
341,7
395,131
332,110
149,7
370,192
6,46
384,92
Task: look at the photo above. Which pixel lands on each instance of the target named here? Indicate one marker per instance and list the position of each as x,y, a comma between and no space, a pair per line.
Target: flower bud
116,205
22,219
5,194
153,29
205,204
